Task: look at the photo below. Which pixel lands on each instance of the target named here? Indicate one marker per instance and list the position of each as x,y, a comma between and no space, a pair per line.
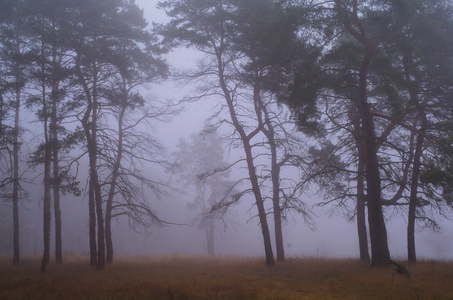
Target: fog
332,236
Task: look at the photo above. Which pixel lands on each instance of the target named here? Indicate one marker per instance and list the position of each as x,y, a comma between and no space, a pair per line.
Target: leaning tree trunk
260,205
269,132
250,167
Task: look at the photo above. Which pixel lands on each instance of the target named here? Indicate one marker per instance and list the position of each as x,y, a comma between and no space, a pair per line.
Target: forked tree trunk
245,138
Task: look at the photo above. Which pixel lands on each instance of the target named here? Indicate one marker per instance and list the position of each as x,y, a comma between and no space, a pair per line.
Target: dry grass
179,277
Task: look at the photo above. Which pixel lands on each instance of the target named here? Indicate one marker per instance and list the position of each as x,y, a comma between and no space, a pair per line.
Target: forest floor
181,277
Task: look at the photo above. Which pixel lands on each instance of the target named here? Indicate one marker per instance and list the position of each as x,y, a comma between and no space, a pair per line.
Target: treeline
369,83
79,65
357,97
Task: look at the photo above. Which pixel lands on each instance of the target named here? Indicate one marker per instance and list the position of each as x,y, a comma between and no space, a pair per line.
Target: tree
51,80
377,80
240,41
200,163
205,25
13,53
114,56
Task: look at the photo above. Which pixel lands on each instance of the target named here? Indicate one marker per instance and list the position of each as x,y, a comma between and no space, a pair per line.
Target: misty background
332,236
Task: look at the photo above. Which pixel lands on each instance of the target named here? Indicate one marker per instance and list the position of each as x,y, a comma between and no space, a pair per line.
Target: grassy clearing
179,277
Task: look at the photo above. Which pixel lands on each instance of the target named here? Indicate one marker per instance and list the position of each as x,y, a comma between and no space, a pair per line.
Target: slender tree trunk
361,201
93,152
361,219
16,186
56,181
89,128
260,205
245,138
47,209
92,224
57,211
268,130
115,173
47,171
277,215
411,253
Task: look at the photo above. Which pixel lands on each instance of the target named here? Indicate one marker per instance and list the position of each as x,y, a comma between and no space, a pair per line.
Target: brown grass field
180,277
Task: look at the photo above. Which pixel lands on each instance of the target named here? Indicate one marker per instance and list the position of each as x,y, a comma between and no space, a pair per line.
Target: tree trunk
115,173
378,233
260,205
16,186
361,201
268,130
93,152
250,166
361,220
89,128
92,224
411,254
47,172
278,219
47,209
57,210
56,166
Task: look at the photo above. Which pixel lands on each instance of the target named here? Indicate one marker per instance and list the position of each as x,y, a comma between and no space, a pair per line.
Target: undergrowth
180,277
